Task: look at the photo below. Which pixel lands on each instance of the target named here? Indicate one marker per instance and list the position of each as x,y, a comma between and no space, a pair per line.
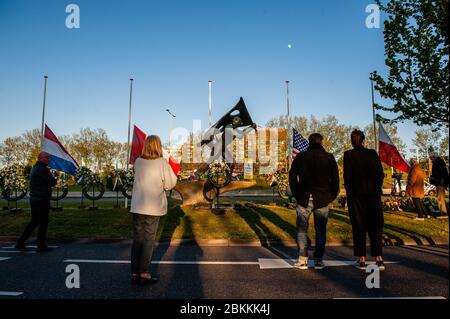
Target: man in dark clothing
439,178
41,183
313,173
363,178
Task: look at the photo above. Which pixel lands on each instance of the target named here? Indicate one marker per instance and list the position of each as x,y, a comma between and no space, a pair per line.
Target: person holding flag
52,155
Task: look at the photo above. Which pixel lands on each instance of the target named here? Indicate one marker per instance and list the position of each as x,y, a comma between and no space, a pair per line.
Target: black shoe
21,247
380,265
143,282
44,249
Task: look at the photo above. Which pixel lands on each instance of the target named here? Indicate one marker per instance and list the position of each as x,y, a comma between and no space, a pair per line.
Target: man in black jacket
313,173
41,183
440,179
363,178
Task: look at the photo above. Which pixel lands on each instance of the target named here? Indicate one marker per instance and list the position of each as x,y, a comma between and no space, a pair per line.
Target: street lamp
171,117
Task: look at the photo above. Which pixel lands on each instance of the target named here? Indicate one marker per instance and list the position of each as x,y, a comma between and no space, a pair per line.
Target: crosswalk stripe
10,293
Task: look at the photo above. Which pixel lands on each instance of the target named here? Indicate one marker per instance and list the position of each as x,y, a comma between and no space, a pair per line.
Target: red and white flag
389,154
138,144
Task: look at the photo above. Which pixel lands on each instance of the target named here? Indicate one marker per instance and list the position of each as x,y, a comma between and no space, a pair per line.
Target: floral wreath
219,169
12,179
85,176
115,179
61,179
128,181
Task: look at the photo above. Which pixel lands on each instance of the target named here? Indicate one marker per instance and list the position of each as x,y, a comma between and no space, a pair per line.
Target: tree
426,140
417,56
336,135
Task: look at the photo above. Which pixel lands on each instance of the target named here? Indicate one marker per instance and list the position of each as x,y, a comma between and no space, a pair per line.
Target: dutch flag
60,159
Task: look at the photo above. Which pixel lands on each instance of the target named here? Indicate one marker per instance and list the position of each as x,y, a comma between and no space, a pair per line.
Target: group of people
416,182
313,179
314,182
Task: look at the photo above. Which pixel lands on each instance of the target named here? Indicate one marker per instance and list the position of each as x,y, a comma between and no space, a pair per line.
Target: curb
245,243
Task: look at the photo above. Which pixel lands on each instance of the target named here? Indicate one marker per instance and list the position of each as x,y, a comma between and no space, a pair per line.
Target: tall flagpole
129,130
289,140
374,117
209,103
43,106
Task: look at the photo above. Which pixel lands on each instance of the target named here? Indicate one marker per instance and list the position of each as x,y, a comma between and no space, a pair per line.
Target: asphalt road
195,272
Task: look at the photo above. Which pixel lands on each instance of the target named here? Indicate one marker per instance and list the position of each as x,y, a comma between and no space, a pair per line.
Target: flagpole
288,125
129,129
374,117
210,102
43,107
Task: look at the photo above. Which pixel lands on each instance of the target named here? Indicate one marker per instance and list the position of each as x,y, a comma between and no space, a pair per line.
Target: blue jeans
144,229
320,225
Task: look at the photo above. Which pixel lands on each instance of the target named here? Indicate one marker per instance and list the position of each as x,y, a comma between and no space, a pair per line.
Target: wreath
13,183
128,181
219,174
115,179
92,186
61,187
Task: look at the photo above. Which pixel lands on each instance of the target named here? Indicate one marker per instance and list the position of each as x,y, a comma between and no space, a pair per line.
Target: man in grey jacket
41,183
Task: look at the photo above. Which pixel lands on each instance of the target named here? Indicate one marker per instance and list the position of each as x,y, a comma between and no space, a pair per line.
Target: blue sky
171,49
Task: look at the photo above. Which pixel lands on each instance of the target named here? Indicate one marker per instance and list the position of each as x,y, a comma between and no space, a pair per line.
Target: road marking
16,252
12,247
4,258
163,262
412,298
10,293
271,263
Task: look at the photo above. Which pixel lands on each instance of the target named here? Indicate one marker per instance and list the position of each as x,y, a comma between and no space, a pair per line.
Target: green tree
426,140
417,56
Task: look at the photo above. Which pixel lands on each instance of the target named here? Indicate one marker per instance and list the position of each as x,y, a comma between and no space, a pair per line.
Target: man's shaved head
44,158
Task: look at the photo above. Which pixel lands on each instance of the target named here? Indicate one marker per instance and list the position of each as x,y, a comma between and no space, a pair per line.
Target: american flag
300,144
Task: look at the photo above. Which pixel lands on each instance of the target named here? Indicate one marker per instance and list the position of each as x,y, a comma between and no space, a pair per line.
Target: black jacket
439,173
363,172
315,173
41,182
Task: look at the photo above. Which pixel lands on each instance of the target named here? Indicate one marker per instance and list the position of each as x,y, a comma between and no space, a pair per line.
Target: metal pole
129,131
171,116
375,141
289,141
43,106
209,103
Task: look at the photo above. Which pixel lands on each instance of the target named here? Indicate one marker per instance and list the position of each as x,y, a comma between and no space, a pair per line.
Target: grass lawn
259,221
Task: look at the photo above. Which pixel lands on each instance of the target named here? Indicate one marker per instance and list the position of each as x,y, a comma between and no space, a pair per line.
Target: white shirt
151,179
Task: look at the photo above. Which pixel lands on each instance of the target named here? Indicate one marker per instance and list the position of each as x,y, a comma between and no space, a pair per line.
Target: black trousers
420,207
366,216
40,210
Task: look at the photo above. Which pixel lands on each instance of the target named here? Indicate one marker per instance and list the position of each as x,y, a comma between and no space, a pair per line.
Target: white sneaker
302,263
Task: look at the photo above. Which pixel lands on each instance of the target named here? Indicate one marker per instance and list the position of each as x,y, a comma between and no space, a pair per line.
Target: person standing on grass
41,183
363,180
313,173
153,177
440,179
415,188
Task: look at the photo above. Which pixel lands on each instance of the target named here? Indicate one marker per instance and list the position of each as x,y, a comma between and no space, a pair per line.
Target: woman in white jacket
153,176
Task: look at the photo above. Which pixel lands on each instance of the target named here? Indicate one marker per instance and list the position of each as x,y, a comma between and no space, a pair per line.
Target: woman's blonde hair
152,148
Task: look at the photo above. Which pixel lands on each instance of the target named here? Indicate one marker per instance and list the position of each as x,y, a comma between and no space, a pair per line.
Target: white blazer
151,179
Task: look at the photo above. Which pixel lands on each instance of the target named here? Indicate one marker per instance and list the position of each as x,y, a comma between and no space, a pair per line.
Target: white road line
4,258
412,298
163,262
12,247
270,263
16,252
10,293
